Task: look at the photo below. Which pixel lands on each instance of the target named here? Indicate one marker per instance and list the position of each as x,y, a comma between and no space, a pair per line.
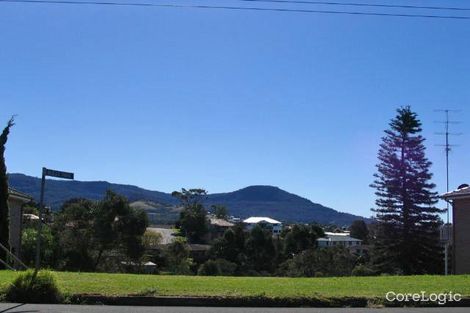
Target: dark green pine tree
407,238
4,224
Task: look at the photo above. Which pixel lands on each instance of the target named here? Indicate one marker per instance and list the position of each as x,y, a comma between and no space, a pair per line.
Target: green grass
127,284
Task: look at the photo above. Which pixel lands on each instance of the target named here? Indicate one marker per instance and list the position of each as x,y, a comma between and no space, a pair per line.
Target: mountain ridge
255,200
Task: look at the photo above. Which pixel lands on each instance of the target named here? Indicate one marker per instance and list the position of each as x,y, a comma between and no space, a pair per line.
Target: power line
235,8
355,4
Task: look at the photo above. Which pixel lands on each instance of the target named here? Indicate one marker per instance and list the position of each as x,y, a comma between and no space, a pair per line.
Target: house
16,200
460,236
217,227
198,252
265,222
342,239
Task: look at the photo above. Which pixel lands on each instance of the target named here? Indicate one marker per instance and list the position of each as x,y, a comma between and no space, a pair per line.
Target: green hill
250,201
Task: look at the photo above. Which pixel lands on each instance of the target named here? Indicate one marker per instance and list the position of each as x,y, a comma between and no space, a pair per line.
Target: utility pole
447,147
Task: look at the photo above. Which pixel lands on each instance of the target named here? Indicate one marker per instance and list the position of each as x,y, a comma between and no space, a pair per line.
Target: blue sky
171,98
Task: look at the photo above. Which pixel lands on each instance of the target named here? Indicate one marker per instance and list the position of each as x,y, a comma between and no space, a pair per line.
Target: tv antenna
447,148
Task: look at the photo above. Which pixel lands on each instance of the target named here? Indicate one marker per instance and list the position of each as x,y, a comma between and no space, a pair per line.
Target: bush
27,289
209,268
335,261
219,267
362,270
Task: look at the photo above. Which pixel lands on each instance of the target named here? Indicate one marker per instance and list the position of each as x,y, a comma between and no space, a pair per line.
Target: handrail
13,256
7,265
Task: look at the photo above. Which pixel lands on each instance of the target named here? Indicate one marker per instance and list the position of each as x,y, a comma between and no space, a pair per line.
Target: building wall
461,221
274,228
15,224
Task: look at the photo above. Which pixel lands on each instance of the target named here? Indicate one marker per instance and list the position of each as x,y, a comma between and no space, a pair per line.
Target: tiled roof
220,222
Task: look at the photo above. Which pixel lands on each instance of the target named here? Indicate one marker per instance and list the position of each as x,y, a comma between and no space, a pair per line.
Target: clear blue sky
171,98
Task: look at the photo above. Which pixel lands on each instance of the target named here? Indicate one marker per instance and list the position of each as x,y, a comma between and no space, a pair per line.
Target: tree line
403,238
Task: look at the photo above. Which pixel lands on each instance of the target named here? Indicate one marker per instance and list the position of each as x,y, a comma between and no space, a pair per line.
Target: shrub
335,261
217,267
27,289
362,270
209,268
227,268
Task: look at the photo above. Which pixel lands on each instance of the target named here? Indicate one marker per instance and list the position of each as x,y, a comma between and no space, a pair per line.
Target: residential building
217,227
16,200
342,239
460,236
265,222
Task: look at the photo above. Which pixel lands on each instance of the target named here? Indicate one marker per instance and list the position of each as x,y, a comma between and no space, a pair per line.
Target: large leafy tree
230,246
178,257
4,224
105,228
260,250
407,220
193,218
117,225
75,220
300,238
220,211
359,230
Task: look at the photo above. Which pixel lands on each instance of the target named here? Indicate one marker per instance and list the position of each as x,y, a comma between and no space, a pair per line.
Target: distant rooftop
338,237
346,233
257,219
30,216
220,222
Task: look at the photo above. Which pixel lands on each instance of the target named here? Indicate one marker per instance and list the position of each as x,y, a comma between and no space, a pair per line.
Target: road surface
62,308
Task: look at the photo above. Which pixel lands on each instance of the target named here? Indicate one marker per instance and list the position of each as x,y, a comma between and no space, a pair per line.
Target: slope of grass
128,284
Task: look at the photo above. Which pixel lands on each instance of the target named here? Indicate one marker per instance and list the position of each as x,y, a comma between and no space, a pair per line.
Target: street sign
59,174
53,173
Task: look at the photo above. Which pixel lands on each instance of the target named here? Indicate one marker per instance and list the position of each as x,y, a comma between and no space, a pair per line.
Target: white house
265,222
341,239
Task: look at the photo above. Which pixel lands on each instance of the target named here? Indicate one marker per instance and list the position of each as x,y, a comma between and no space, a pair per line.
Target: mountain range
250,201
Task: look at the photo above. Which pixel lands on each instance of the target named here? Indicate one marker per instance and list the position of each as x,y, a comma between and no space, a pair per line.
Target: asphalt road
47,308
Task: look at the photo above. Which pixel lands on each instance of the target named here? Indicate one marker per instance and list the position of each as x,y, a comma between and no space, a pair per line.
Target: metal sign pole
53,173
38,237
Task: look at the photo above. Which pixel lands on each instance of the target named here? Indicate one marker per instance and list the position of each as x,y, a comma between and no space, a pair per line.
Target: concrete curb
261,301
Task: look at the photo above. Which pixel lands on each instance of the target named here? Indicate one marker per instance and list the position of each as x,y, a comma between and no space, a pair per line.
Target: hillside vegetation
250,201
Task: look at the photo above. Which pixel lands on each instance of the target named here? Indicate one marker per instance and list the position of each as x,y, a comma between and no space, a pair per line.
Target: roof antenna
447,147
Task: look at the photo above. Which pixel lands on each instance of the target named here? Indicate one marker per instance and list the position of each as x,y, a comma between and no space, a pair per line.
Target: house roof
220,222
460,193
19,195
338,237
30,216
256,220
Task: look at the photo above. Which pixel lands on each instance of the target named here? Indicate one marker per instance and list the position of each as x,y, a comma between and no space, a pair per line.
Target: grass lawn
126,284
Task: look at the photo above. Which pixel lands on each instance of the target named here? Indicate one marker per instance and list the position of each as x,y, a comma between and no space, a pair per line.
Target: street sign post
51,173
58,174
